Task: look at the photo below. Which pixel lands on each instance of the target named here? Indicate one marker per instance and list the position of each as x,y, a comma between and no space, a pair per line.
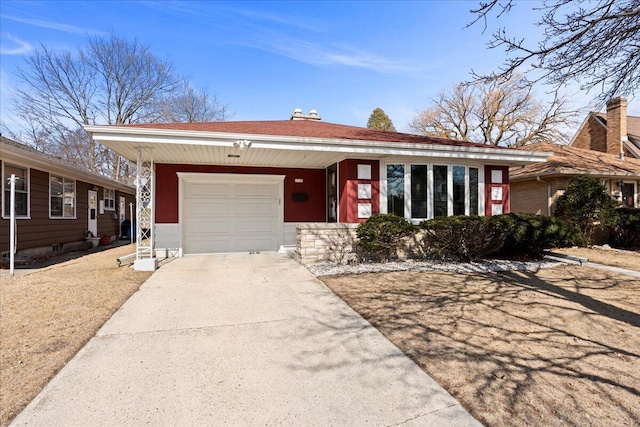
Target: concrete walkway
241,340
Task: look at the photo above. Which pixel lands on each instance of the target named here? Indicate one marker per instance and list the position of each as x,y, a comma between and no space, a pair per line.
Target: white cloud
318,54
20,47
54,25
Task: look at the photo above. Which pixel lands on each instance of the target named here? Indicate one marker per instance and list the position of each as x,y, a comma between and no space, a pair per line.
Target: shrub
381,234
462,237
587,204
625,233
527,235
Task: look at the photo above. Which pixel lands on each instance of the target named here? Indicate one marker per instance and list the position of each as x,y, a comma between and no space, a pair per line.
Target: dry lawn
556,347
612,257
47,316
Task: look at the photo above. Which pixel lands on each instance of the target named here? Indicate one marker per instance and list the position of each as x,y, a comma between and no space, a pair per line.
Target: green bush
587,204
381,235
462,237
527,235
625,233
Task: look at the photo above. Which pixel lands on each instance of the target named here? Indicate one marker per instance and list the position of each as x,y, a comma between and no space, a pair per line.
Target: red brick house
56,204
250,186
535,188
606,145
613,132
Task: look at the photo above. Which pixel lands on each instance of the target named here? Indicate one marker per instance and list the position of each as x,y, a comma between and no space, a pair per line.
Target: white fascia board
144,136
40,162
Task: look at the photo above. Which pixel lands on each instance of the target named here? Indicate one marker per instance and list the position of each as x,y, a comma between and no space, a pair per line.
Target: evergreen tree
379,120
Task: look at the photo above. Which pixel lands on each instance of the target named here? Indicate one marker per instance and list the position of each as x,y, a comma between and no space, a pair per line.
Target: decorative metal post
145,259
12,222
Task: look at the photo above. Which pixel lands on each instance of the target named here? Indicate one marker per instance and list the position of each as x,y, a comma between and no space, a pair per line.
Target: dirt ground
47,316
612,257
556,347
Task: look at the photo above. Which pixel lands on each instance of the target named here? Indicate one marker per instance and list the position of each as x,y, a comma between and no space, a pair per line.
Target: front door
627,194
93,213
122,212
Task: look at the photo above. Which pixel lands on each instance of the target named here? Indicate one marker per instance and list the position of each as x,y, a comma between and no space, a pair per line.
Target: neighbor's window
109,199
22,190
395,189
62,194
440,191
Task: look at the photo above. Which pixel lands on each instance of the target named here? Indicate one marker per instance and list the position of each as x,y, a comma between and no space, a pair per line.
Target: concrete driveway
240,340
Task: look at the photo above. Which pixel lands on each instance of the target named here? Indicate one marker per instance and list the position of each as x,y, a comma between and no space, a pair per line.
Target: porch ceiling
190,147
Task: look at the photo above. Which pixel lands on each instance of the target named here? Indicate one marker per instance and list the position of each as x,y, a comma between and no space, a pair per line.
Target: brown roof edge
307,129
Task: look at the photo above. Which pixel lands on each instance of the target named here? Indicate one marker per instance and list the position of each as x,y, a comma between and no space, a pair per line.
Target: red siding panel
314,185
348,189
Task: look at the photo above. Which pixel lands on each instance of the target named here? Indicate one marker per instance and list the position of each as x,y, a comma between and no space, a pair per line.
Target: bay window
395,189
434,190
419,186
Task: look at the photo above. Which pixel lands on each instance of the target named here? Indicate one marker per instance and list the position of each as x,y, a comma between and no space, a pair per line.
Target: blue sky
266,58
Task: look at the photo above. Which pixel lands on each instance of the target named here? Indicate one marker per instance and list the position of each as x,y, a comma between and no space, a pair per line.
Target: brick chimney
616,126
297,115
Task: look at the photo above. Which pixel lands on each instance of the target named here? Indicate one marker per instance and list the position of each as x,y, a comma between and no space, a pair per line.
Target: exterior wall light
242,144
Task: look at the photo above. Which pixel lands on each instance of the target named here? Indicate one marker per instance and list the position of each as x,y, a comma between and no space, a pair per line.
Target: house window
22,190
419,189
109,199
459,199
434,190
62,196
473,191
395,189
440,191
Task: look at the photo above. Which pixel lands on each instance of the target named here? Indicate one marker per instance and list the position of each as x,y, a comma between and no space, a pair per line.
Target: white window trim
430,180
28,174
104,199
75,195
636,196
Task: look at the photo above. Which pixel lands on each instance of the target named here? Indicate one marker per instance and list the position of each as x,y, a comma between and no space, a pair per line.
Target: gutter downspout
548,194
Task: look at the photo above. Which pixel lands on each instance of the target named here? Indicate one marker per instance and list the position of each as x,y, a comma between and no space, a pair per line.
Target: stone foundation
318,242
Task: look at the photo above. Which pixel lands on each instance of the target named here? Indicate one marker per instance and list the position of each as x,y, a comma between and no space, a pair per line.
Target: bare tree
187,104
496,112
110,81
594,43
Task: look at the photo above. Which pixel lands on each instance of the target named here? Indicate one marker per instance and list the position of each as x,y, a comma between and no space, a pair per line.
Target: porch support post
145,202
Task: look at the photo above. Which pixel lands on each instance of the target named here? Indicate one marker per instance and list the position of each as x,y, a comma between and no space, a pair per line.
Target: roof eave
146,136
37,161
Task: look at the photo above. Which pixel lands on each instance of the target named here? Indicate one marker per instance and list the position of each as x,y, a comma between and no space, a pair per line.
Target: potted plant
91,238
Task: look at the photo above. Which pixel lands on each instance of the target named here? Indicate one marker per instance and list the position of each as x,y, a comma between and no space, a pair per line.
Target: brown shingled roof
633,123
307,129
575,161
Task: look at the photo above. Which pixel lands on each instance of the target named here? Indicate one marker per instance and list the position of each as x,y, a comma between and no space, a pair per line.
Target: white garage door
228,215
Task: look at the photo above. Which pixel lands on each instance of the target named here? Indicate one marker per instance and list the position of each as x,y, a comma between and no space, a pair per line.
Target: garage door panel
231,217
269,208
208,208
206,190
252,227
256,190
